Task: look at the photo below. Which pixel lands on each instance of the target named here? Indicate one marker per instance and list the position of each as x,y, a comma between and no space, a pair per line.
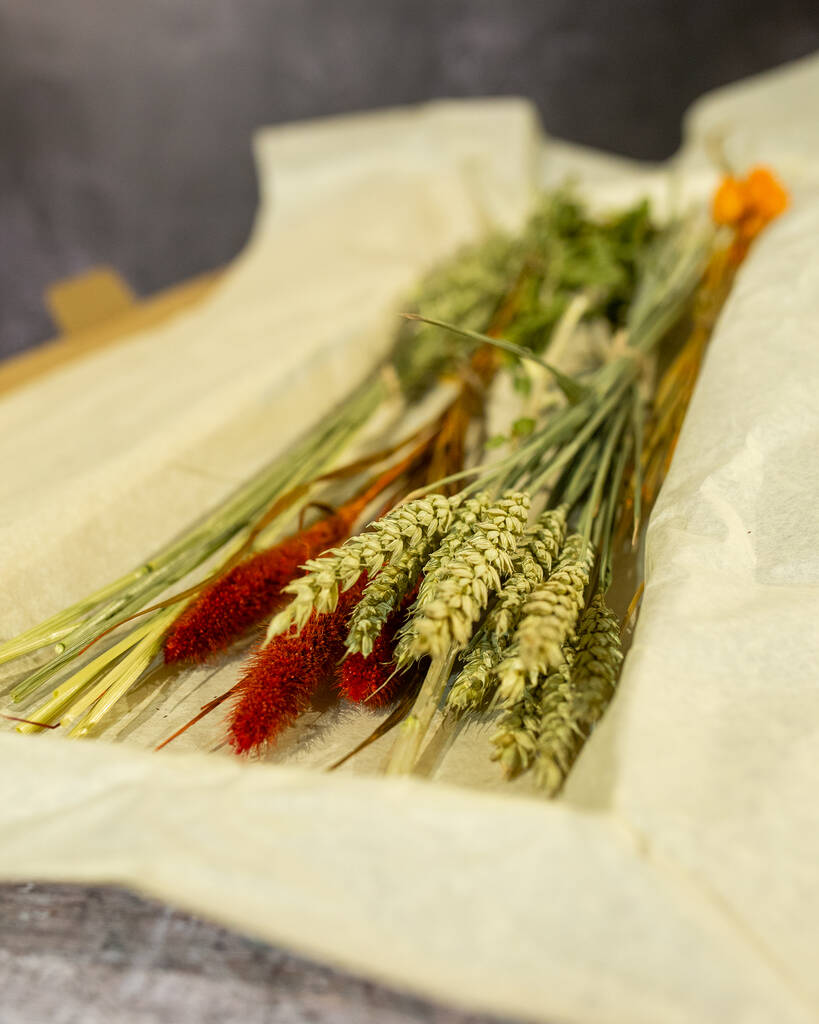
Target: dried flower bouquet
479,586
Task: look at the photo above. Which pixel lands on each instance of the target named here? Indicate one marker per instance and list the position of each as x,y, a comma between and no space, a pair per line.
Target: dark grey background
125,126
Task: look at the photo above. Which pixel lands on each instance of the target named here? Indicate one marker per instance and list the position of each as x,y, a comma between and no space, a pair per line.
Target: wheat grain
551,613
423,520
466,576
396,580
573,711
532,562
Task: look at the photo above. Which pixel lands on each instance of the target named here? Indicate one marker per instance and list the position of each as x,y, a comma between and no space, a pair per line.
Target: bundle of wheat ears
449,577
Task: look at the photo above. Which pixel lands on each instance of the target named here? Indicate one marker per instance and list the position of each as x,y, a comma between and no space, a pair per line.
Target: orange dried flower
748,204
729,202
766,195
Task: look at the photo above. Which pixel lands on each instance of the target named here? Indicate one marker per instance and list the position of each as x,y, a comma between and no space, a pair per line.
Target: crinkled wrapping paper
677,878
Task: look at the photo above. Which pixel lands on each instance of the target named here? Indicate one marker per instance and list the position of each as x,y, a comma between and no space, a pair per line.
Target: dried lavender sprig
386,540
464,581
533,562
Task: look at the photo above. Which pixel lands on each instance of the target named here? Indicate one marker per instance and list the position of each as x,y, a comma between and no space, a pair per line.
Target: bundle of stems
224,532
511,616
594,276
479,589
471,552
471,289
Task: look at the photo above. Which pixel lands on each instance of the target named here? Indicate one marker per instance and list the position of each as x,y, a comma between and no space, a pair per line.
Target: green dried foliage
562,250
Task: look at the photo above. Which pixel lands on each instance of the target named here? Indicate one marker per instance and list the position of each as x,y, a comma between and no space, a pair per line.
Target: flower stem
416,724
116,683
592,506
81,624
66,693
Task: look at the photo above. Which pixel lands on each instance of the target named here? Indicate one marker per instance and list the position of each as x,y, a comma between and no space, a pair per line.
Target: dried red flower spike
373,680
283,675
248,593
275,689
370,680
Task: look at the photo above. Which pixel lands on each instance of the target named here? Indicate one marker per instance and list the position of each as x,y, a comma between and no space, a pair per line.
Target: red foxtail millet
250,592
283,675
373,680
